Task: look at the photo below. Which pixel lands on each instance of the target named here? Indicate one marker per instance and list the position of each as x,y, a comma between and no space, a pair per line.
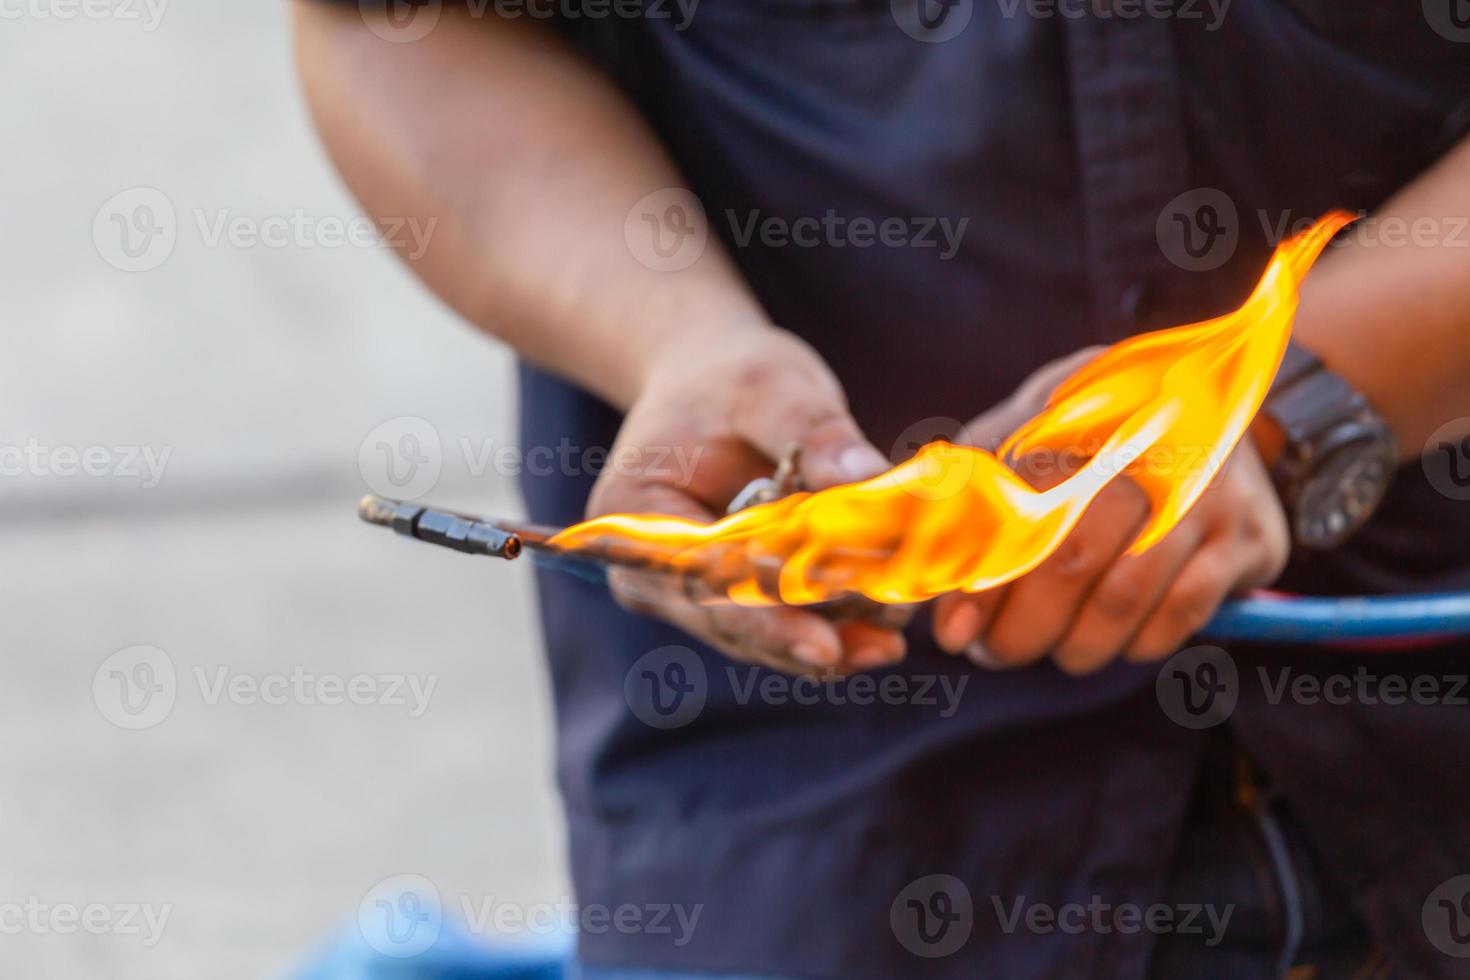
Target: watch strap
1296,364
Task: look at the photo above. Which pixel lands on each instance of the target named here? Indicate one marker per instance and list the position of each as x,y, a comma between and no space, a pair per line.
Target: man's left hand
1089,602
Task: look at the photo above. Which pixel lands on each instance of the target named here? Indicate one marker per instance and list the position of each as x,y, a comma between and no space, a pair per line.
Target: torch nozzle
467,534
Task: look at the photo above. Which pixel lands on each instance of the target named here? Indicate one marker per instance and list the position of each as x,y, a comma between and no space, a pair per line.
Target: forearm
1390,310
529,162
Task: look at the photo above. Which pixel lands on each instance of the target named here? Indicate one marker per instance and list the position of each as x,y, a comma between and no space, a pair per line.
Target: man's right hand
733,402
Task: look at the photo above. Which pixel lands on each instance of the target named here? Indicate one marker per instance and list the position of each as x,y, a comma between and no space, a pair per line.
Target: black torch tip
468,534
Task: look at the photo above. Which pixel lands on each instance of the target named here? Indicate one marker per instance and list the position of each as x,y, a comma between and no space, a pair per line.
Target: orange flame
1164,408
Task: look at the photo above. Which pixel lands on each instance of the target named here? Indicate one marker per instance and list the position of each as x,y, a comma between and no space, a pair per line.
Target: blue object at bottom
456,955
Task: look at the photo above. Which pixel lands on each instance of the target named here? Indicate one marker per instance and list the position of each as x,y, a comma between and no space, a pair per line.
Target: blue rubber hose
1286,619
1280,619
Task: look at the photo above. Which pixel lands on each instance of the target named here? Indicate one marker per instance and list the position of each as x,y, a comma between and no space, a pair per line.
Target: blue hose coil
1281,619
1319,620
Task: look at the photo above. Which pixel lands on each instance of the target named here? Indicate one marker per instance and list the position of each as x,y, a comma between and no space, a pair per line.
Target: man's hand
735,401
1089,603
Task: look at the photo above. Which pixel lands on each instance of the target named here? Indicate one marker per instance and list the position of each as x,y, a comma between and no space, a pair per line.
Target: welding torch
1262,617
704,580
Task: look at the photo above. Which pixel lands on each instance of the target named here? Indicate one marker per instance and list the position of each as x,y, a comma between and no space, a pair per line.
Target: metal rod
706,579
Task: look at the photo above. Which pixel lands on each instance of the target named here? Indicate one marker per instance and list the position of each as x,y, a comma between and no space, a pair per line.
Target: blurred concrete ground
259,369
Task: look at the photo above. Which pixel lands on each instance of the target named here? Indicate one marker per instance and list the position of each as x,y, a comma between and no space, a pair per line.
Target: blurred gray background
270,380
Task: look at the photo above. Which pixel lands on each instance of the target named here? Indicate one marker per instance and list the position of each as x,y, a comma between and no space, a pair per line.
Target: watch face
1342,493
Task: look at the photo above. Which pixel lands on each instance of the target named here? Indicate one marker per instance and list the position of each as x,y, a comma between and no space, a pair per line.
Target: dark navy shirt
798,828
1085,155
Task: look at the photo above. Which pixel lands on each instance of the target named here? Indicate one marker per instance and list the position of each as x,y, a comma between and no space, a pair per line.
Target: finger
815,418
786,639
634,493
1123,600
869,646
783,638
1039,608
1201,585
960,616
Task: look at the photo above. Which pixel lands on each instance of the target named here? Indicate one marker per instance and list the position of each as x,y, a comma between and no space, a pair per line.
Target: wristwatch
1337,456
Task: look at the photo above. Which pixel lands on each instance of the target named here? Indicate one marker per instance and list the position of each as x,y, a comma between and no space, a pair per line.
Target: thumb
833,448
